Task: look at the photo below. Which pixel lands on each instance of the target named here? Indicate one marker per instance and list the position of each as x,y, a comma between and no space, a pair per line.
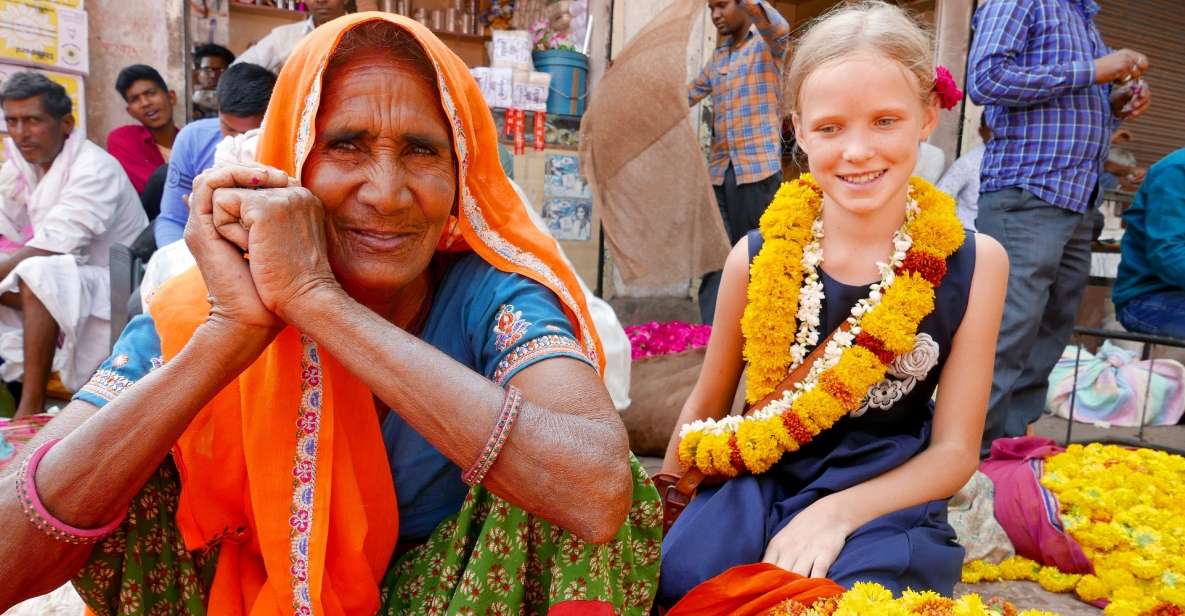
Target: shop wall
124,32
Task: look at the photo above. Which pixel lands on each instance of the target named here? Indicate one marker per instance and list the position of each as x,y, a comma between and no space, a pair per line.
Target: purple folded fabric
1025,509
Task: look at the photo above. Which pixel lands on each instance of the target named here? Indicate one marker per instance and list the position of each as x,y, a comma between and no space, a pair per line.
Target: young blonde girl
847,477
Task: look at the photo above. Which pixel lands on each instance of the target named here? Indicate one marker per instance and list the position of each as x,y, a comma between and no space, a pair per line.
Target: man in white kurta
63,203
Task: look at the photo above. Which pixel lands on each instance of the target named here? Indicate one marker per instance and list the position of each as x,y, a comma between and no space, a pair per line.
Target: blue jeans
1049,263
1159,314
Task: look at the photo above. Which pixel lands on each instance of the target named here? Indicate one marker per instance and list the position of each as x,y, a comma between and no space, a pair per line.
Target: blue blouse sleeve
135,354
516,322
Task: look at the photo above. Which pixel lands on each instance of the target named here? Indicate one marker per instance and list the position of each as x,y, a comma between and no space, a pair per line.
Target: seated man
243,95
210,61
63,203
1149,291
144,146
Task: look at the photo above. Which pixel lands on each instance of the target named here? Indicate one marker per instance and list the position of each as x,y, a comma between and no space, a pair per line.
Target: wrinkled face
149,104
230,124
38,135
728,17
382,165
326,10
862,149
209,71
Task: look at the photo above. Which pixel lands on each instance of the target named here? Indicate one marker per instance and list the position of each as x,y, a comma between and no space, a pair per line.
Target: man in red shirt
141,148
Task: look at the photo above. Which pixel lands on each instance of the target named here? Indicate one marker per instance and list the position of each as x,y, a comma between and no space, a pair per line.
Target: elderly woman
379,392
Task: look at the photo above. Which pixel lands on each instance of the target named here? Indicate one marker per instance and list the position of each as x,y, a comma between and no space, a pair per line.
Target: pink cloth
1027,511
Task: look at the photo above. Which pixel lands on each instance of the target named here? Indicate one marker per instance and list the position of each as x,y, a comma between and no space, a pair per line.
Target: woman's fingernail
255,181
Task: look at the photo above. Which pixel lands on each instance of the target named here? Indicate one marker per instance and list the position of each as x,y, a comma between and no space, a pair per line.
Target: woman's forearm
105,456
567,449
936,473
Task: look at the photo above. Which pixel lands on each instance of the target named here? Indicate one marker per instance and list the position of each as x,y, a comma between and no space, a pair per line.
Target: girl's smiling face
860,121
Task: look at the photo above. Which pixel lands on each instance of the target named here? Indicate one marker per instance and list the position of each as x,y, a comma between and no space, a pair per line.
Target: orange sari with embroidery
286,468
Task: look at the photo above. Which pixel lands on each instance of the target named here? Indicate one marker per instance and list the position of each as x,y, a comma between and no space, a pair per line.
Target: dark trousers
741,207
1049,264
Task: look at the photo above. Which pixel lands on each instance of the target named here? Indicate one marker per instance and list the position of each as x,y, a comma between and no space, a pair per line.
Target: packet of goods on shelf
511,49
44,36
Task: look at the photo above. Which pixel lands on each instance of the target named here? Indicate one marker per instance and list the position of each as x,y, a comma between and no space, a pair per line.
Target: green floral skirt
490,558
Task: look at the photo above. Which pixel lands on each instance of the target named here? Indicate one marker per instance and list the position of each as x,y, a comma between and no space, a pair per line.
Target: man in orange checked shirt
744,79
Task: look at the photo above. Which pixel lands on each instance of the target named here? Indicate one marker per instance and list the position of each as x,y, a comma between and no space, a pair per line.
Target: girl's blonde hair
869,25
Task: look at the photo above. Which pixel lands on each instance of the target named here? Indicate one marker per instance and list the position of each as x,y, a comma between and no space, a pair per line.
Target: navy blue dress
731,524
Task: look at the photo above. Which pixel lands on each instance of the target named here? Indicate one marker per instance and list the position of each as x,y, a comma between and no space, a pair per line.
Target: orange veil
285,469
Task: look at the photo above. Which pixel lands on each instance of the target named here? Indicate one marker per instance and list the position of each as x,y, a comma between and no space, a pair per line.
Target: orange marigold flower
835,387
795,428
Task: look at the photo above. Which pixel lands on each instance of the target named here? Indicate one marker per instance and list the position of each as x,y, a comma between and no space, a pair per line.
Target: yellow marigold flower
1115,578
892,328
859,369
703,452
927,602
1173,595
1144,568
910,295
978,571
758,445
1019,568
1054,580
821,408
867,598
970,605
687,447
778,430
1122,608
720,454
936,229
1091,588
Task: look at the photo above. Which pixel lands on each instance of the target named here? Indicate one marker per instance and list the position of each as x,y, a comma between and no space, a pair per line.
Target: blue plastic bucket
569,80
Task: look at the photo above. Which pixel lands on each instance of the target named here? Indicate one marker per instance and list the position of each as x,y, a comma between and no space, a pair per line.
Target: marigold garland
1126,509
883,326
866,598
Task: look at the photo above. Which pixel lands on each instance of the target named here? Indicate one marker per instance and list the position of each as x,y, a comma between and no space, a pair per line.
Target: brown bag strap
677,492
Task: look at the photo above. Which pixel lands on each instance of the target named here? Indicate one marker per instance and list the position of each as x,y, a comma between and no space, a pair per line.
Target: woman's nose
386,188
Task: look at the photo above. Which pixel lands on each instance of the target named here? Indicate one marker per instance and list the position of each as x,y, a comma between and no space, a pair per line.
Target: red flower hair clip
945,87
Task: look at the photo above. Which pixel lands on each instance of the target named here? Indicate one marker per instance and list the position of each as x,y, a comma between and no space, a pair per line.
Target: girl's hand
233,298
810,543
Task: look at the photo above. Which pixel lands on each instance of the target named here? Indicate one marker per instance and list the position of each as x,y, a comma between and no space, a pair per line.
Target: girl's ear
796,122
929,116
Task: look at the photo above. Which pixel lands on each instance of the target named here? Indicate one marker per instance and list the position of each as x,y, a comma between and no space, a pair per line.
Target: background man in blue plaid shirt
1043,73
744,78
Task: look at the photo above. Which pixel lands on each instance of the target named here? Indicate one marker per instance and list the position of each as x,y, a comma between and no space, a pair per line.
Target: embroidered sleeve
136,353
525,325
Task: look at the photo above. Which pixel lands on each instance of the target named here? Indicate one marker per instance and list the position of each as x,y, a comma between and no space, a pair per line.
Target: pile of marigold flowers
1126,509
865,599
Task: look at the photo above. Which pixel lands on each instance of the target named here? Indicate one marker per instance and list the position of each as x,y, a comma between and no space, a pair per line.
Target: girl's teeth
860,179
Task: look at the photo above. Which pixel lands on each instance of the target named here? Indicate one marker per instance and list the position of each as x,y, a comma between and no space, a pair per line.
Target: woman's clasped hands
259,241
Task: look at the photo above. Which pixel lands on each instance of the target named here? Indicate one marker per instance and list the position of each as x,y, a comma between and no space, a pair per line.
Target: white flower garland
810,307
